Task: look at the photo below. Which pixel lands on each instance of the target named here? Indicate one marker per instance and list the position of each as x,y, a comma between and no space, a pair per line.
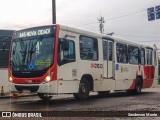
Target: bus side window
110,51
121,50
133,55
88,48
150,56
142,56
105,50
64,56
147,56
70,54
155,58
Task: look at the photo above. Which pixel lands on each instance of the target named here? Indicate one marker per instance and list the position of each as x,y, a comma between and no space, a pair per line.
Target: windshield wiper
33,47
23,51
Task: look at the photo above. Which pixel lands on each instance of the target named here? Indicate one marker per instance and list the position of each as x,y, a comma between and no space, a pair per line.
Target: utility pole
101,24
54,11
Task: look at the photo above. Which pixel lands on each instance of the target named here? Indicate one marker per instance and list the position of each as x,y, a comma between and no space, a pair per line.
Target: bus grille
31,88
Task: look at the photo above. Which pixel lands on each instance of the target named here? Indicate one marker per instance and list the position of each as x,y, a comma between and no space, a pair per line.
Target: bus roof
94,34
121,40
80,31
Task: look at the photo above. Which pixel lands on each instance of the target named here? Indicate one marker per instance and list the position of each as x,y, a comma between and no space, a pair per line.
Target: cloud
19,14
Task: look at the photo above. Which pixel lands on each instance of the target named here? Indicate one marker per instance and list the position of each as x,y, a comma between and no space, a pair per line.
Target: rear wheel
137,89
44,97
84,90
138,86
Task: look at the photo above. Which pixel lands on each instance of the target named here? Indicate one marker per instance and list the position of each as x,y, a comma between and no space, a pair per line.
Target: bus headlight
48,78
10,79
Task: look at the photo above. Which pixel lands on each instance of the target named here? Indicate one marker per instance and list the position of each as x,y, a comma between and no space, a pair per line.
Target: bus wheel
84,90
103,93
44,97
138,86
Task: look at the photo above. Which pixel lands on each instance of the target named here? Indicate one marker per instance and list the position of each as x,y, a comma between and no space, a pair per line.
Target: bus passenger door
108,66
105,62
110,60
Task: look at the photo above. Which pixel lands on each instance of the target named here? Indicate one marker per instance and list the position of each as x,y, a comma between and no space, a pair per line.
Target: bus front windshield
32,54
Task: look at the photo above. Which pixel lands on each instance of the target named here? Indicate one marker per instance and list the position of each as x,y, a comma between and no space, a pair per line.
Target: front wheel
44,97
84,90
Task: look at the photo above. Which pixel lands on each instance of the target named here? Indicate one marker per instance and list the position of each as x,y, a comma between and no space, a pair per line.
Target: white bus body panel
124,75
58,87
73,72
4,80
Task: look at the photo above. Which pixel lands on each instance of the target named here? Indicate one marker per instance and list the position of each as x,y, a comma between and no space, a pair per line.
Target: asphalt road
149,100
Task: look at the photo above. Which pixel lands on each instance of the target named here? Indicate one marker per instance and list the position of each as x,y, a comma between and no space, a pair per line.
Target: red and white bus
57,59
5,39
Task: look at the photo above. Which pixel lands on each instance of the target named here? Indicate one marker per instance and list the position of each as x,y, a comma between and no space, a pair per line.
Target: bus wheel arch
85,86
89,78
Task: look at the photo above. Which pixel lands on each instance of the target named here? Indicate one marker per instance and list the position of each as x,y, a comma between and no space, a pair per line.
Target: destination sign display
38,31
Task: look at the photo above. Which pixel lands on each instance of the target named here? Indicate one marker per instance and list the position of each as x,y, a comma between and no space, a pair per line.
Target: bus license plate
27,91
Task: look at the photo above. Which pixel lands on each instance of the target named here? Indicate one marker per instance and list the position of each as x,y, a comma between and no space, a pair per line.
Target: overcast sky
126,18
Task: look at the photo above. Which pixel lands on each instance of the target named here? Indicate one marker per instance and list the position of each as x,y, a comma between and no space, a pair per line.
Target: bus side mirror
65,45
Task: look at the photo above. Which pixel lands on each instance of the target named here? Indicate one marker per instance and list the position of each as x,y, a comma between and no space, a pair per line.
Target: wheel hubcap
83,89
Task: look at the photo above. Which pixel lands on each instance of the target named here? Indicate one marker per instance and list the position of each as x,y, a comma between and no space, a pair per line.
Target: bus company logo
29,81
95,65
6,114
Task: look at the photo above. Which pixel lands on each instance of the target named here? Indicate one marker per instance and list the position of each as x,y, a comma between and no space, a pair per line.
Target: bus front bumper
50,87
